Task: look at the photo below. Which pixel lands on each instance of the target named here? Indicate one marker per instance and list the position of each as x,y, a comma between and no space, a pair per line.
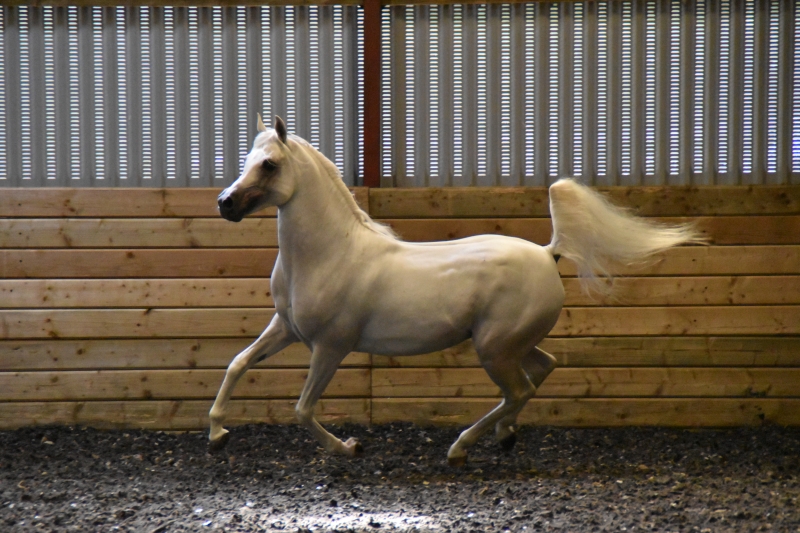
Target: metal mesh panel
162,96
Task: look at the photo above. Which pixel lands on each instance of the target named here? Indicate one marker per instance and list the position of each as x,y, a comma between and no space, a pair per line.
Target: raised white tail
599,236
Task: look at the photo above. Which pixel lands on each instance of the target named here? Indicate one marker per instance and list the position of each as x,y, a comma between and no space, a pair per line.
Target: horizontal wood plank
596,412
594,382
127,323
137,233
138,263
723,230
175,414
733,320
122,202
171,384
122,293
255,292
695,290
206,263
630,351
510,202
97,354
236,322
711,261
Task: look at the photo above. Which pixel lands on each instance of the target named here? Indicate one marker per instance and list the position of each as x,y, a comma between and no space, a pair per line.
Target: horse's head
262,182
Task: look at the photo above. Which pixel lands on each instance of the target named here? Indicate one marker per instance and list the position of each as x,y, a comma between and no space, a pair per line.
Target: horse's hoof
507,444
217,445
458,461
355,447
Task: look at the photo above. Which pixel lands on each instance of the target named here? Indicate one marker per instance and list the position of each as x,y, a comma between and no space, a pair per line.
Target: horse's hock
122,308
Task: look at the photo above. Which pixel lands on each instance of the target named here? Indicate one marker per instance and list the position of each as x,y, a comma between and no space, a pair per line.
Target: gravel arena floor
275,478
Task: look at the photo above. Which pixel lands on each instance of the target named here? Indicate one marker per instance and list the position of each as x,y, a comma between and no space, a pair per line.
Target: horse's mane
332,171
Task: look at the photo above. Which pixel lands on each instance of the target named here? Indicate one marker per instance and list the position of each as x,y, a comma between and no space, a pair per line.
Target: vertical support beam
13,97
302,72
711,80
183,124
687,96
786,51
445,143
37,87
761,65
63,119
254,72
590,92
614,96
541,95
327,82
736,94
158,98
205,75
398,99
639,92
566,90
422,96
350,68
372,93
111,160
663,45
494,107
230,95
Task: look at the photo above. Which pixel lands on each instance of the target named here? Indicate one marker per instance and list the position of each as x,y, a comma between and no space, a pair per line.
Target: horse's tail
599,236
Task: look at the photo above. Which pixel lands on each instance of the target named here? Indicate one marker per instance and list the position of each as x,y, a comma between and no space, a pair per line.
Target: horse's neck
318,222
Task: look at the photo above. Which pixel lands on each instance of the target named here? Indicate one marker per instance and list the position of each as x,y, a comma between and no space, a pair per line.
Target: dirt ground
275,478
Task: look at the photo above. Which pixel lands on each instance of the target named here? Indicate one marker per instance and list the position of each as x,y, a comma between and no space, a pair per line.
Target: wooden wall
123,308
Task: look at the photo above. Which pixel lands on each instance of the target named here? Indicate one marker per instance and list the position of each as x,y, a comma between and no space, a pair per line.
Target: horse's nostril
226,203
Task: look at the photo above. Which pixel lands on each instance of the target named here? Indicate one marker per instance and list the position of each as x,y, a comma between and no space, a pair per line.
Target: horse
343,282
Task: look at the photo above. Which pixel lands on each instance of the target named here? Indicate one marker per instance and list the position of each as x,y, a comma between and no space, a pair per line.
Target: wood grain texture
712,261
631,351
137,233
129,354
511,202
175,414
137,263
724,230
236,322
733,320
596,412
694,290
133,323
170,384
123,202
205,263
594,382
123,293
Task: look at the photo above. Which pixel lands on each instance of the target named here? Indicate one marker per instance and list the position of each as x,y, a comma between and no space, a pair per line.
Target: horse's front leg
324,362
275,338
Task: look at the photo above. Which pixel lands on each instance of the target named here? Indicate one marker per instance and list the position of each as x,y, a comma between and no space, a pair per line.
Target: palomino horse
343,283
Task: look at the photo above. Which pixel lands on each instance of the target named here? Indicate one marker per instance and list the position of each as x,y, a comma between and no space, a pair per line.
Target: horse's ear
261,126
280,129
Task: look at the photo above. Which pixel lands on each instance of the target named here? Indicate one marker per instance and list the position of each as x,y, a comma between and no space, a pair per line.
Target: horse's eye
269,166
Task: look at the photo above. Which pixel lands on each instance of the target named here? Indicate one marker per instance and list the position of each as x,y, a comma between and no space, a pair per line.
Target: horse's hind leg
538,364
516,387
324,363
275,338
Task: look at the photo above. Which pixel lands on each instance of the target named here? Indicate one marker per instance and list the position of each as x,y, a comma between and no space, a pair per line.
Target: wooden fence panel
122,308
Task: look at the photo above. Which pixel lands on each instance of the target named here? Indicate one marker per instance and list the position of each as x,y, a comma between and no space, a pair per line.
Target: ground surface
273,478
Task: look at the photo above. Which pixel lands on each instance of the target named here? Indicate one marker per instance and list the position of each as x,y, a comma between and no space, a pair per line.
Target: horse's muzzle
227,207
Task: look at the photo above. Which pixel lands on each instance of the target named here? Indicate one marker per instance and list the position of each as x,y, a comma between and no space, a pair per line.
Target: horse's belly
395,340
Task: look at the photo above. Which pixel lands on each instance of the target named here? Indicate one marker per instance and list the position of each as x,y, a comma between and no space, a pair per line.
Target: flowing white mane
332,171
